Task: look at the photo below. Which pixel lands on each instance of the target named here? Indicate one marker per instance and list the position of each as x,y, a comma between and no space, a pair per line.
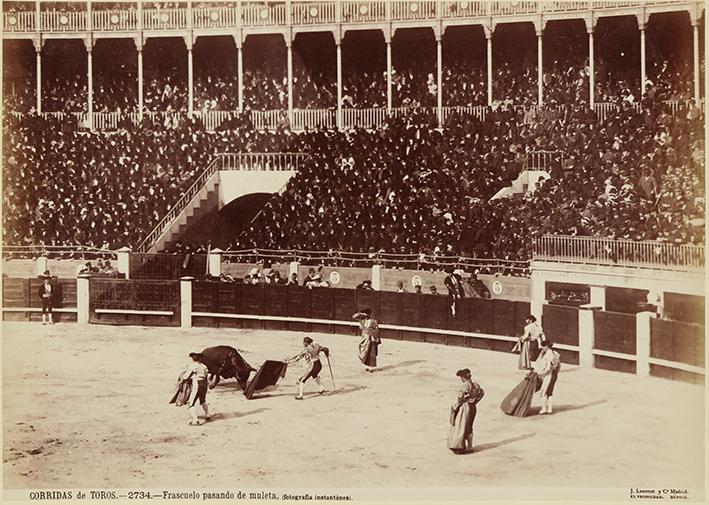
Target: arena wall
20,268
673,341
347,277
622,342
21,300
615,332
510,288
402,315
561,324
26,268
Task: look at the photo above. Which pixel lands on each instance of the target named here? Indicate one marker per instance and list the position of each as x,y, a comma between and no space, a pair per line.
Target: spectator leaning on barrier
310,278
453,283
365,284
475,288
84,269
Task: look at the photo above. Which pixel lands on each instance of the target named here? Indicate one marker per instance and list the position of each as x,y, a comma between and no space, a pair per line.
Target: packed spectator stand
412,185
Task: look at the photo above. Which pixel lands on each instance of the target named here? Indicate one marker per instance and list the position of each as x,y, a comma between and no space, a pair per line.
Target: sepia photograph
353,251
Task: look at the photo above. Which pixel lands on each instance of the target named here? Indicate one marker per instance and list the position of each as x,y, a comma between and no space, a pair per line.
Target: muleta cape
268,375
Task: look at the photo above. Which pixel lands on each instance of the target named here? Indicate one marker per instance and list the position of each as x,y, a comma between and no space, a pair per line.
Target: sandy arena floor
88,407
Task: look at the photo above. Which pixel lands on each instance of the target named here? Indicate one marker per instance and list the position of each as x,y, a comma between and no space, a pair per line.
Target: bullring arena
506,185
88,408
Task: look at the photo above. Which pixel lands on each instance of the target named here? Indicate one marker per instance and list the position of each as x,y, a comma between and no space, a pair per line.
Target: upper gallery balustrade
57,17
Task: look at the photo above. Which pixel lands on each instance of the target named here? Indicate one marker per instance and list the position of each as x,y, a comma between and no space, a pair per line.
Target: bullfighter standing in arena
196,372
369,345
311,353
462,416
46,293
547,367
530,343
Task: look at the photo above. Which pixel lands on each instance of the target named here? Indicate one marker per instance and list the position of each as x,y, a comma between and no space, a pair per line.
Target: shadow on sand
227,384
220,416
309,395
343,391
261,396
558,409
398,365
495,445
566,408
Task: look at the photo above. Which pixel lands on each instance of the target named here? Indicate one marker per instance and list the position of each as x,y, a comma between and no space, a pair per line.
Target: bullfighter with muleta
311,353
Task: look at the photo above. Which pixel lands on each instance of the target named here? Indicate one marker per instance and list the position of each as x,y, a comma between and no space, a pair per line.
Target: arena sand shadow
221,416
340,391
494,445
398,365
558,409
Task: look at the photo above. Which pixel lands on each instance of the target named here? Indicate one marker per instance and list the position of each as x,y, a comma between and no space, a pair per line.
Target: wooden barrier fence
217,304
637,343
614,332
21,300
145,301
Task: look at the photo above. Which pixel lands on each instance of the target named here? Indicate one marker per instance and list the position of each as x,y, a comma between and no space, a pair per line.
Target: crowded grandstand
511,189
624,160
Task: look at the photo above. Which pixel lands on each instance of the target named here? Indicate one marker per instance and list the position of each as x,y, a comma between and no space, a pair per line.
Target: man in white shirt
197,373
547,367
311,353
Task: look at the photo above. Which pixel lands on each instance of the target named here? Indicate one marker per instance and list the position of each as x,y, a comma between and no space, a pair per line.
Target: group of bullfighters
207,367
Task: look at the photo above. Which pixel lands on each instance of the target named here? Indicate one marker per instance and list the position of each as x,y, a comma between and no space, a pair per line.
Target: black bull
226,362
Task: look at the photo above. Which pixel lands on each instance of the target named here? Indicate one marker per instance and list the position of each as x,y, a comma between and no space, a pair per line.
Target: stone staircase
227,177
203,203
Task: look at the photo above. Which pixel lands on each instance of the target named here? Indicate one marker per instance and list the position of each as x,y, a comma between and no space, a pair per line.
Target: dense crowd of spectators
464,84
409,187
406,187
105,190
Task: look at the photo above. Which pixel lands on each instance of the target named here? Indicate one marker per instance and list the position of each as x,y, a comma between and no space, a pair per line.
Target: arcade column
488,36
38,43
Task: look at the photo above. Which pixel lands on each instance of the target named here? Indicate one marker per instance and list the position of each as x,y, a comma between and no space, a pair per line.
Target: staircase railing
179,206
262,161
224,161
541,160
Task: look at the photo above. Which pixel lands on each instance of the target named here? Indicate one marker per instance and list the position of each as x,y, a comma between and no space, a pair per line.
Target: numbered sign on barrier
497,287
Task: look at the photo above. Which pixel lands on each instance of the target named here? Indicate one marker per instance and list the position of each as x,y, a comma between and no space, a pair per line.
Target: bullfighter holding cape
530,343
311,353
192,388
368,346
542,378
518,402
463,411
547,368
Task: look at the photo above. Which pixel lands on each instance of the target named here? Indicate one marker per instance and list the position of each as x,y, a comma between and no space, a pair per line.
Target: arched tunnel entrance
220,226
